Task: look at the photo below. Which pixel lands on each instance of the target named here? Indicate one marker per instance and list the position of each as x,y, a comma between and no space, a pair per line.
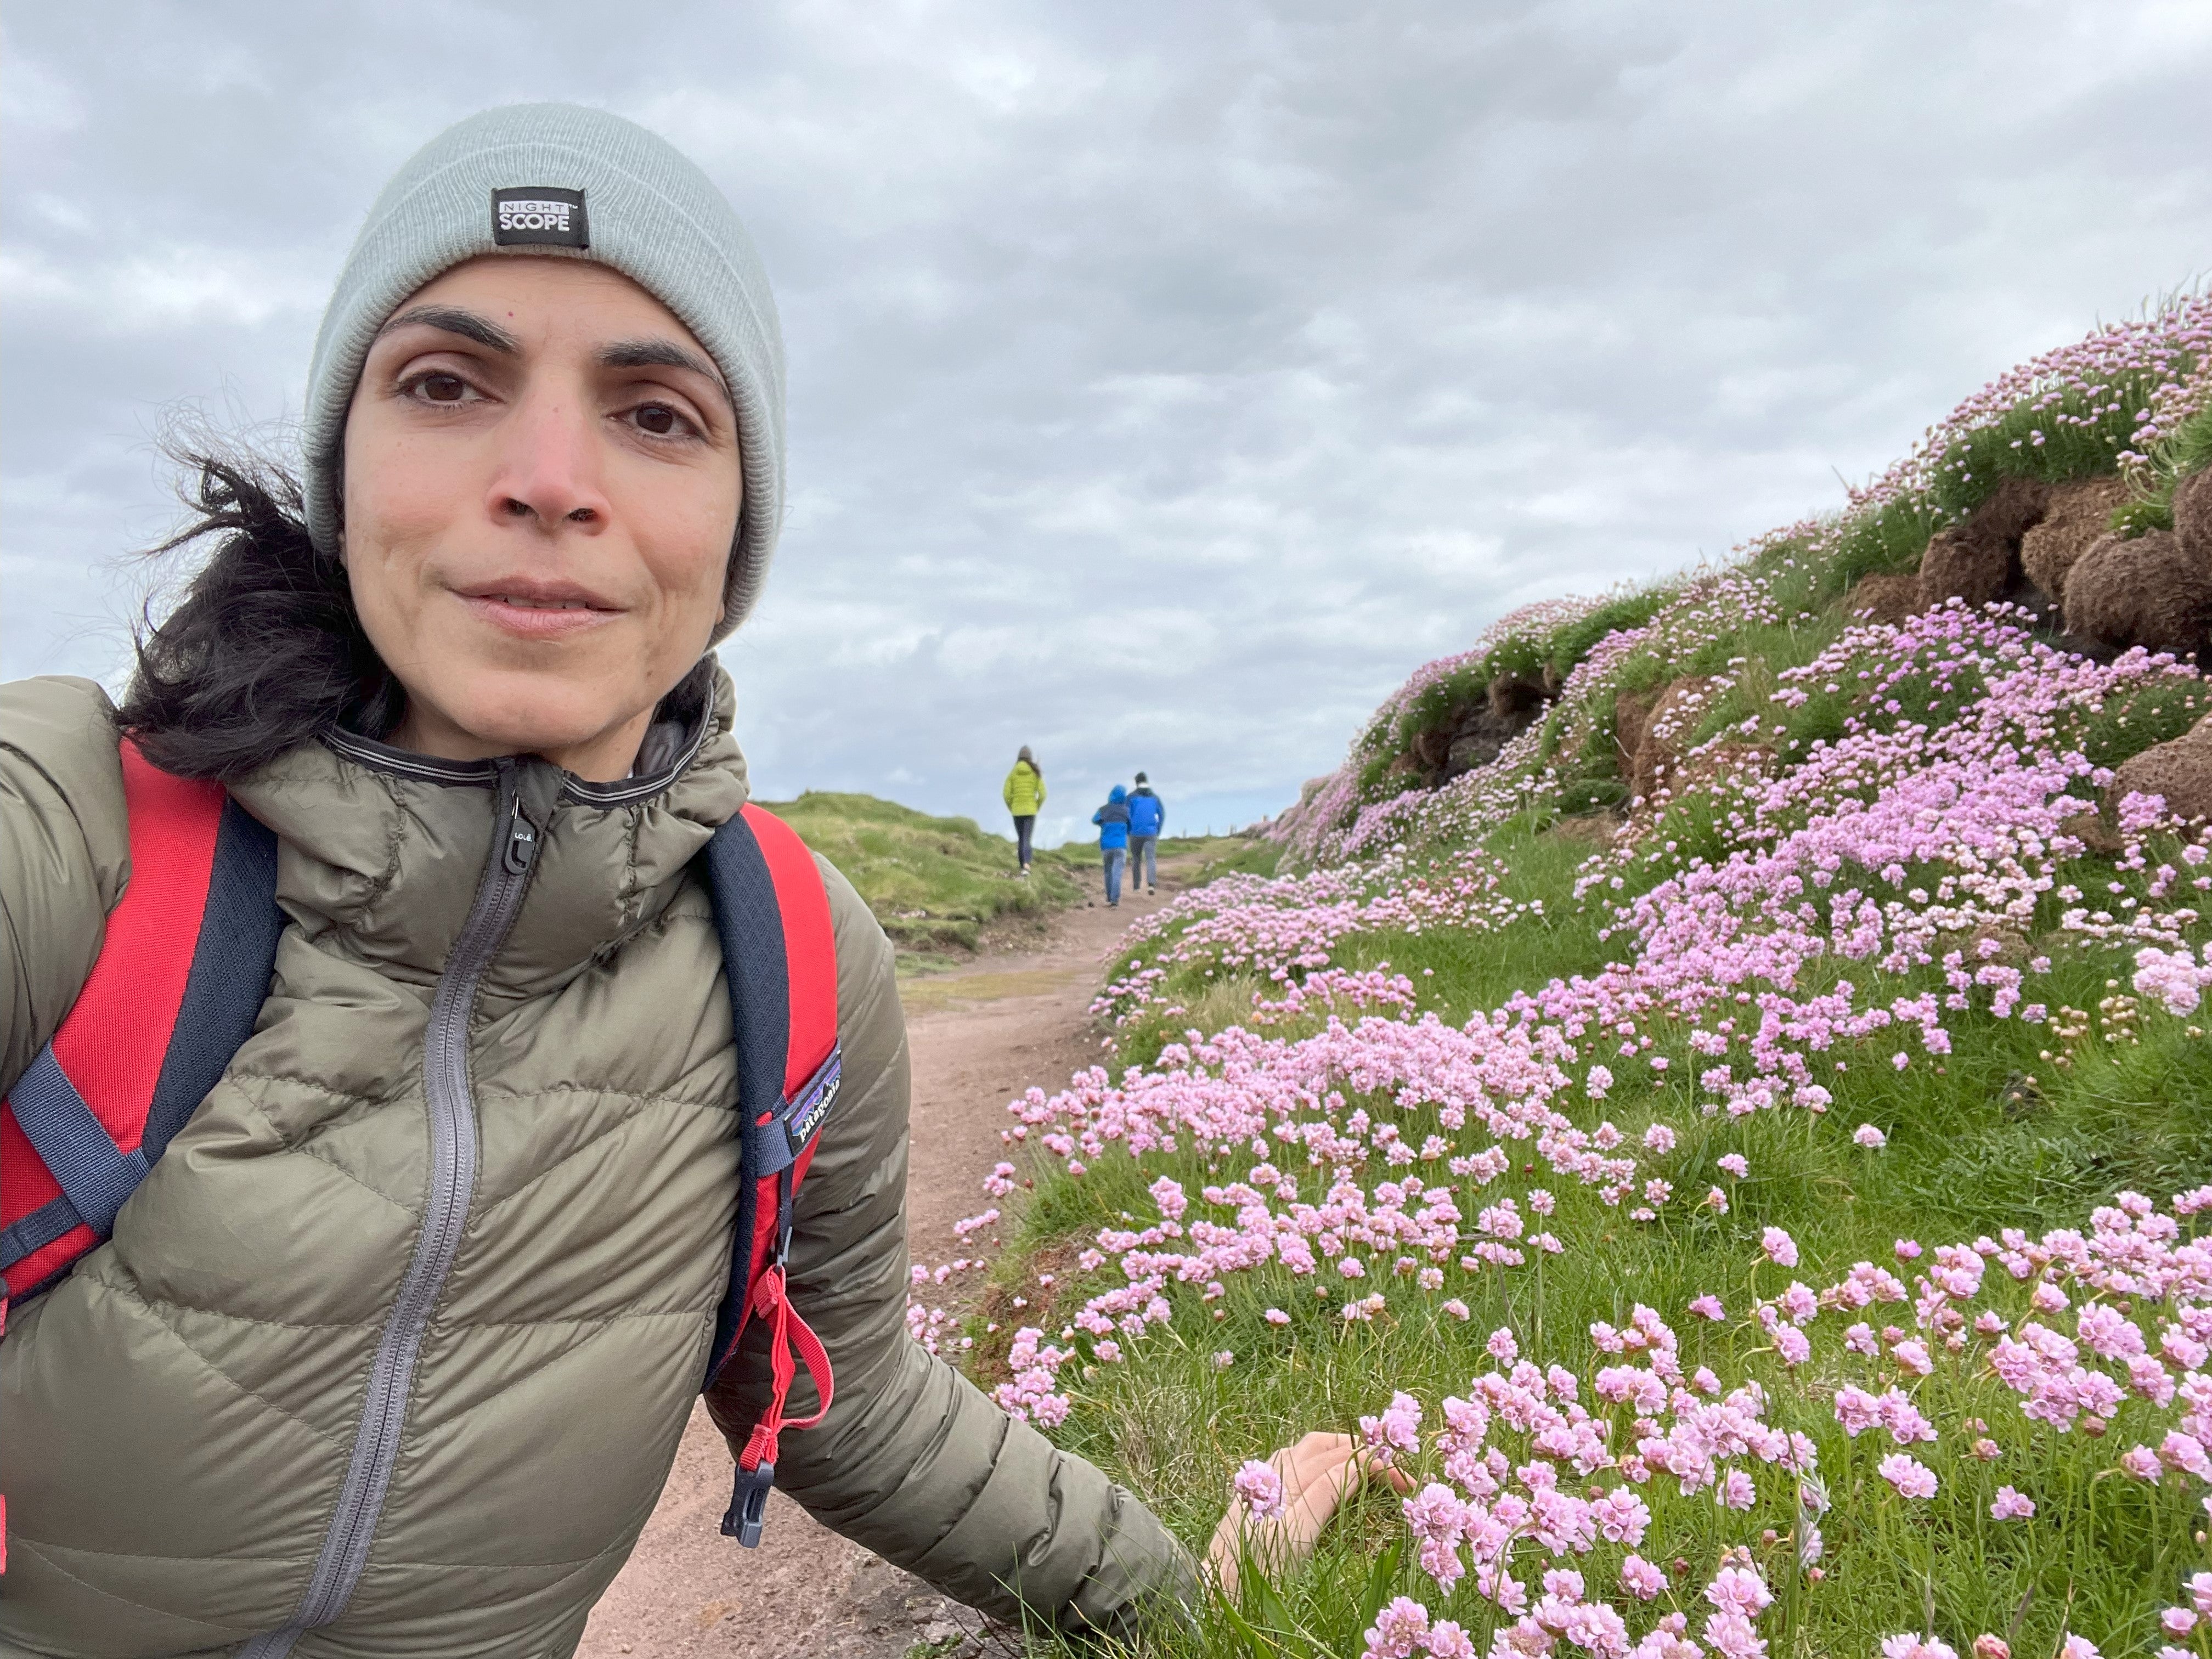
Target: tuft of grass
934,884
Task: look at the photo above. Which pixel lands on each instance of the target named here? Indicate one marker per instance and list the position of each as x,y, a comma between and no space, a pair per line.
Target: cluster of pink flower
1289,926
1513,1452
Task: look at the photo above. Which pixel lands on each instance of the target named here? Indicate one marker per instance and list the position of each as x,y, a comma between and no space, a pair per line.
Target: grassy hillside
933,883
1722,1102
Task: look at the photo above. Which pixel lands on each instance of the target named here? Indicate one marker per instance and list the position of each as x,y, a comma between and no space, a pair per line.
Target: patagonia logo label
539,215
816,1099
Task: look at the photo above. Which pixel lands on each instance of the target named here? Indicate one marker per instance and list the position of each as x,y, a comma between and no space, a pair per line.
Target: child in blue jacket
1112,822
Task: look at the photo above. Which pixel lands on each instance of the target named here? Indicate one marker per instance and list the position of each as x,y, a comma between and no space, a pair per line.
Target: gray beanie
563,180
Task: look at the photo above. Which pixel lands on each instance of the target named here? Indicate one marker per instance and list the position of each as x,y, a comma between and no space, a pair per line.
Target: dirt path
980,1035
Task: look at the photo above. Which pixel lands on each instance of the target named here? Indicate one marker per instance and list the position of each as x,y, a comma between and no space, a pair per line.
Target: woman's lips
531,617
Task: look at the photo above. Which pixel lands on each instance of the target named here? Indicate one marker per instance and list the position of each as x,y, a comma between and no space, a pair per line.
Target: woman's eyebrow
658,352
451,319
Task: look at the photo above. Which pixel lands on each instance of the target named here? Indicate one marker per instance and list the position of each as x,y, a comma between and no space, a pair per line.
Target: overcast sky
1167,380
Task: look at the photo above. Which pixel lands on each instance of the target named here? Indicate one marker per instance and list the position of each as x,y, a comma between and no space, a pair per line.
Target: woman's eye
659,420
441,388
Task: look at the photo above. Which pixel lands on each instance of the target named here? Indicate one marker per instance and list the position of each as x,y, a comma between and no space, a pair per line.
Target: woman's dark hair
266,650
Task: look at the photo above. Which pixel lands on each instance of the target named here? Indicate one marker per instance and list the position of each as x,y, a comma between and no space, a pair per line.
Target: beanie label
540,215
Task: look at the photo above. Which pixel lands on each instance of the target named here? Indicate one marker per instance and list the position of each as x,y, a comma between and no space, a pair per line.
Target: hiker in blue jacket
1112,822
1147,813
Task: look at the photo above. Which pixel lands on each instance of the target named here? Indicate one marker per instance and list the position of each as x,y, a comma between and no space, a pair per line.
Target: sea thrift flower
2010,1505
1910,1477
1641,1579
1870,1137
1261,1489
1398,1630
1781,1249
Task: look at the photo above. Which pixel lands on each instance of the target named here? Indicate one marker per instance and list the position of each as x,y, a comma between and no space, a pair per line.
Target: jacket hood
1117,795
381,850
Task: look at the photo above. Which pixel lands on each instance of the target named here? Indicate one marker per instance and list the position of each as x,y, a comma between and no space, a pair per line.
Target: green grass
934,884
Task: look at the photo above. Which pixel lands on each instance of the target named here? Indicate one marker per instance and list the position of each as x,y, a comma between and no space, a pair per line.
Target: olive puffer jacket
390,1354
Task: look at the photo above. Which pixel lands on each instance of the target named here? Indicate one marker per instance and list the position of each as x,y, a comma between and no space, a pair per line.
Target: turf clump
934,884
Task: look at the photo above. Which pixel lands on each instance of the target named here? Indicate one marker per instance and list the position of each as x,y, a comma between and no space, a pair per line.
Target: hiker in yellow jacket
1025,794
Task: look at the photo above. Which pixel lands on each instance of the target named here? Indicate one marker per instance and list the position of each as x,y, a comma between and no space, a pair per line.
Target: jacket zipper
452,1109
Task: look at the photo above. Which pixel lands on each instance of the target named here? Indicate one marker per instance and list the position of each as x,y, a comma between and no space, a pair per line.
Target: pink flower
1917,1647
1731,1635
1708,1306
1739,1590
2011,1506
1501,1347
1276,1316
1398,1630
1911,1478
1781,1249
1641,1579
2142,1462
1733,1163
1261,1488
1870,1137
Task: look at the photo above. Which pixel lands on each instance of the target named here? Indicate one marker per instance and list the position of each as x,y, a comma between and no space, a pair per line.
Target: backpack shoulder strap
779,960
179,983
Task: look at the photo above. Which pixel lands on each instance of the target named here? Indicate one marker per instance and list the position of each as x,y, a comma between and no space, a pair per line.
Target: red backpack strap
779,959
179,983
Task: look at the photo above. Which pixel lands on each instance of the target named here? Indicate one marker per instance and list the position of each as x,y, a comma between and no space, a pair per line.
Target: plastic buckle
749,1506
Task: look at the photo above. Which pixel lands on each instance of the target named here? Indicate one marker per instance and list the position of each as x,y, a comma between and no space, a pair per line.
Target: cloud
1166,381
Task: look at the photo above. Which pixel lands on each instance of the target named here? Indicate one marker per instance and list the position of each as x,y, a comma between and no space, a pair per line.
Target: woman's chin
509,714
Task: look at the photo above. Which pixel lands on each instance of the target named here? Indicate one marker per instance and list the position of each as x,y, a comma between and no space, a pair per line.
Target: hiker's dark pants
1113,855
1144,861
1023,823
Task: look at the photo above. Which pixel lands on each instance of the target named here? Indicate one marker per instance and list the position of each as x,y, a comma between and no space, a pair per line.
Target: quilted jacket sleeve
64,853
913,1462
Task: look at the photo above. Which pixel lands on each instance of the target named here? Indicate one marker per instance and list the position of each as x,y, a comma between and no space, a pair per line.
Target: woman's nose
549,469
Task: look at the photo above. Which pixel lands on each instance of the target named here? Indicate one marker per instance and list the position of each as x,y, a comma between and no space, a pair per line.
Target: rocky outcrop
1978,561
1661,727
1885,598
2180,770
2151,592
2076,516
2192,513
1473,734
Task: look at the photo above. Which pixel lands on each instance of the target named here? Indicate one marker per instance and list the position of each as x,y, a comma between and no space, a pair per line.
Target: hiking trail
980,1034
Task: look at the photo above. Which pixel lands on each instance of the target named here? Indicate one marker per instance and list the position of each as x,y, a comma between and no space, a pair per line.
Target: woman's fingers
1319,1472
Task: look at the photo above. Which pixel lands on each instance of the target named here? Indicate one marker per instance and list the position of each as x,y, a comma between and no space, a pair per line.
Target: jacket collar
380,850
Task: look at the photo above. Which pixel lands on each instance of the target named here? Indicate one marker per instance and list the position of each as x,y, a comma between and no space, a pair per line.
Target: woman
271,1415
1024,791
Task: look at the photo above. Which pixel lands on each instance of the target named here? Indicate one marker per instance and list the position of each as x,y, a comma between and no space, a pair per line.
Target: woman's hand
1319,1475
